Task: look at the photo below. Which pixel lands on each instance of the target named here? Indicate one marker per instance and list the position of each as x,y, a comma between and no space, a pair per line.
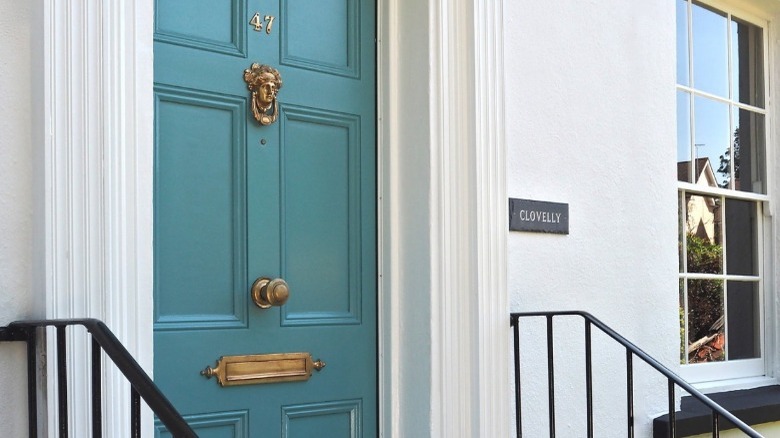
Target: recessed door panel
335,49
200,258
321,222
213,425
342,419
215,25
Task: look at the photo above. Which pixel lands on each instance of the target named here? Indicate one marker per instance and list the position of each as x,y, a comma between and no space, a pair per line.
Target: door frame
443,358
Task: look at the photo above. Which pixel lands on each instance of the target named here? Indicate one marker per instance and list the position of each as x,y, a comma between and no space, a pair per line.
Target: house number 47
258,23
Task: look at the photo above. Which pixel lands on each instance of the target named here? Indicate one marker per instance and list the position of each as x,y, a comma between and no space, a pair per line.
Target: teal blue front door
235,200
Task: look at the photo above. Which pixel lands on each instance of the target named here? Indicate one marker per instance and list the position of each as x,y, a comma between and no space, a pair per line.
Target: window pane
710,50
682,42
683,136
748,146
741,237
682,321
703,234
712,142
743,320
705,321
747,57
680,232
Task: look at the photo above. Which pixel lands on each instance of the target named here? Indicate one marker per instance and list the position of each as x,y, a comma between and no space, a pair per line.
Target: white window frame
749,371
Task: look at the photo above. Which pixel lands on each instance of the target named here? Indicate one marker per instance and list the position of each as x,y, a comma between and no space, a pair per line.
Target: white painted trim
98,188
444,327
98,202
469,221
492,221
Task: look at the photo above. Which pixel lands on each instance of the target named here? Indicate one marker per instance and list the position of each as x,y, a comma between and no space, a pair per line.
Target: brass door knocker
264,82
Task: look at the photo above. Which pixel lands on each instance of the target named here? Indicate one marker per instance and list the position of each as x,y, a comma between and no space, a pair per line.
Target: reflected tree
725,162
705,298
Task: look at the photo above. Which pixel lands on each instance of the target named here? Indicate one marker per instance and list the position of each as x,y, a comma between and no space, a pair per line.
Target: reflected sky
682,42
710,48
712,135
713,129
683,129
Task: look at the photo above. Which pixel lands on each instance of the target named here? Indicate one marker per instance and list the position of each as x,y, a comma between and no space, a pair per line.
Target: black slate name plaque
538,216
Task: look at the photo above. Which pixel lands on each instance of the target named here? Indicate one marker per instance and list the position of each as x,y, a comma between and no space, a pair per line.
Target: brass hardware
264,82
255,21
270,19
267,292
258,24
263,368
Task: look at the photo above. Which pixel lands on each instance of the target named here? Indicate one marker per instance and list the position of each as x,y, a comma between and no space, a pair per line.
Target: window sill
753,406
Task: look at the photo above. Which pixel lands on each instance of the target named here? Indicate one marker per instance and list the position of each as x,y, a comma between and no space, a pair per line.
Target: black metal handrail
631,351
102,339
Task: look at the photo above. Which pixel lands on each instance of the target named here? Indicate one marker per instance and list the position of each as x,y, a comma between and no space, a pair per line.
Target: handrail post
715,426
32,381
135,414
672,414
97,399
550,376
589,377
62,381
630,391
515,322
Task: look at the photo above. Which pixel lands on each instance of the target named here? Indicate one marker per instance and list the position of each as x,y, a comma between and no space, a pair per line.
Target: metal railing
632,350
102,340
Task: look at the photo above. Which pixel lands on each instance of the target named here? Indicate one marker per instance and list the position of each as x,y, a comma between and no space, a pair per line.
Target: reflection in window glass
706,338
747,58
743,316
682,42
680,233
721,156
748,147
683,341
703,234
710,50
741,239
683,136
712,141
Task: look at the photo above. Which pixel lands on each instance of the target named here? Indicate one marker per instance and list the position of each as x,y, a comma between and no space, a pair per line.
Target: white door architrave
444,327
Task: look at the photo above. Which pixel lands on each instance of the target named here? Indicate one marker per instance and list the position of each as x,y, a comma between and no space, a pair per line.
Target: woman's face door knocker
264,82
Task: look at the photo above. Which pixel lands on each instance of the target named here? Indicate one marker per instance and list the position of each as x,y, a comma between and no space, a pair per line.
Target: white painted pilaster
98,187
444,316
469,221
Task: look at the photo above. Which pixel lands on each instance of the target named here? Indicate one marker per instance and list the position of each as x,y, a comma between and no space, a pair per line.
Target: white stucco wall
16,206
591,122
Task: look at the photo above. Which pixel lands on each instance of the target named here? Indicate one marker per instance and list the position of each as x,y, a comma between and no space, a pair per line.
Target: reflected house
703,211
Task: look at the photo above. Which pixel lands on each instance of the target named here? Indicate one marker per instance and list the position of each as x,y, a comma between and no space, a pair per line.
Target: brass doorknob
267,292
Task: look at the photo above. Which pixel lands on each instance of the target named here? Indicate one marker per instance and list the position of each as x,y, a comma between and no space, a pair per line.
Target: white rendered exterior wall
591,122
16,206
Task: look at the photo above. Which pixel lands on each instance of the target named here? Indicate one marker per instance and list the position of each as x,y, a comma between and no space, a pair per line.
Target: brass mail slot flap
256,369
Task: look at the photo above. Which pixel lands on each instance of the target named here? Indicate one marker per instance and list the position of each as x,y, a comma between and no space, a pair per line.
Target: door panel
214,425
202,134
320,251
341,418
211,26
235,201
335,51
